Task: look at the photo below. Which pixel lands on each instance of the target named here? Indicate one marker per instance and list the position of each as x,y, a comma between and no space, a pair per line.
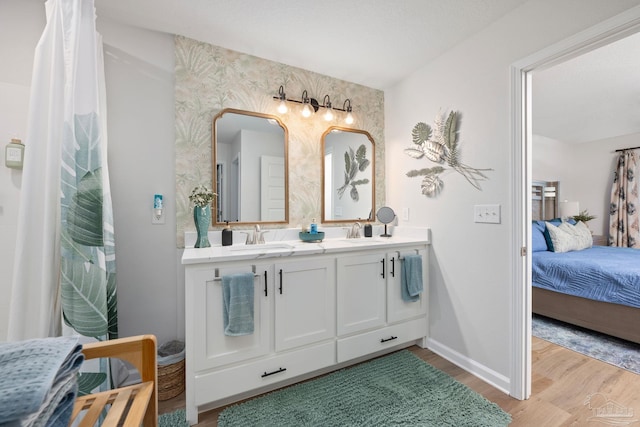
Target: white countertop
284,243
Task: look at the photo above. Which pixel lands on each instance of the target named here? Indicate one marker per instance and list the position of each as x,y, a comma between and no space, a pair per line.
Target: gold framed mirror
348,175
250,168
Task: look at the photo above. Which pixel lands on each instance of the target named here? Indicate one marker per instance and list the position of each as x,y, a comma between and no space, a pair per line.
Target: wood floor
563,381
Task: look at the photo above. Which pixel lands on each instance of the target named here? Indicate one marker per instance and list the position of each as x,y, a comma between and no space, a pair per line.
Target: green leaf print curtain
624,230
66,268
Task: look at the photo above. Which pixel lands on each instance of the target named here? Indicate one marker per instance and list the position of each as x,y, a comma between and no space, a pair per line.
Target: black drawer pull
382,268
389,339
280,273
265,283
266,374
393,266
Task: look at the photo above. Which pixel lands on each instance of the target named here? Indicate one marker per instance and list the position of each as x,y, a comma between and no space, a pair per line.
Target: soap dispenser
227,235
368,230
313,228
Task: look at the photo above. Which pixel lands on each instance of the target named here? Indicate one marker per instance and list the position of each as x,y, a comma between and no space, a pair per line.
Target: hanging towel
237,310
411,286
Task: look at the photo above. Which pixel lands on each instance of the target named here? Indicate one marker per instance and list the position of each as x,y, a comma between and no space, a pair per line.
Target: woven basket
170,380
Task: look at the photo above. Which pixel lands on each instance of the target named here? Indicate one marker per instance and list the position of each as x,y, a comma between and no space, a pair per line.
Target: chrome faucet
354,231
257,237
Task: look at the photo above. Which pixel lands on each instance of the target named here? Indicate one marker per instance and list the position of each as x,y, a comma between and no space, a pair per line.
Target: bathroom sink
261,247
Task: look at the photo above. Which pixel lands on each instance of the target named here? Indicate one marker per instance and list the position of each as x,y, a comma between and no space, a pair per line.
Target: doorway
522,71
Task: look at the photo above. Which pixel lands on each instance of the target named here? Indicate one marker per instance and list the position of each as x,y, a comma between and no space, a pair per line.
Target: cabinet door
211,347
304,302
361,292
397,308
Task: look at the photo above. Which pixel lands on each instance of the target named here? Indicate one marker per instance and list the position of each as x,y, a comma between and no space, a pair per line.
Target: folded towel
237,310
411,286
38,376
57,408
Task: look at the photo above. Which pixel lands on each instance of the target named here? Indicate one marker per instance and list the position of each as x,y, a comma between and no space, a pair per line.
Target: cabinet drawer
370,342
225,383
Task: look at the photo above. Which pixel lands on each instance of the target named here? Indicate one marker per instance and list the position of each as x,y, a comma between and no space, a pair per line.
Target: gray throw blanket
39,381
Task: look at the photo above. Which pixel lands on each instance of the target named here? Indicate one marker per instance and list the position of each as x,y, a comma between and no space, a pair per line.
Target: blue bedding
601,273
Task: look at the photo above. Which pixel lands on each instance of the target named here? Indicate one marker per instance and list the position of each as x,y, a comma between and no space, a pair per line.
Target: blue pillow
538,241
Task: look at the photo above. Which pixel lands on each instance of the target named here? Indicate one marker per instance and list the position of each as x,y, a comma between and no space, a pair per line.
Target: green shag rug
173,419
395,390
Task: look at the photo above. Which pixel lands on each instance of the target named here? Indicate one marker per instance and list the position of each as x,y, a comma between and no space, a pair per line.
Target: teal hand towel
411,280
237,310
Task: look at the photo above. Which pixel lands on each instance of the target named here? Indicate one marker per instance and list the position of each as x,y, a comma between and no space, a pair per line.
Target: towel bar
218,279
401,258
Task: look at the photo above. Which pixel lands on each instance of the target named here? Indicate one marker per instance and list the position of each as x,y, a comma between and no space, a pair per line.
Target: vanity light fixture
349,119
308,104
282,108
311,106
328,115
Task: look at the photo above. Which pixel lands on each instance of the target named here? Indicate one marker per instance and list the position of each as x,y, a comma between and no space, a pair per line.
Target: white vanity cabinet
398,309
317,307
294,328
371,313
213,348
362,292
305,309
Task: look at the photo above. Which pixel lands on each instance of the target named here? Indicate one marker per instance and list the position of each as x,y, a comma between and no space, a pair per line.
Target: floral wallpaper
210,78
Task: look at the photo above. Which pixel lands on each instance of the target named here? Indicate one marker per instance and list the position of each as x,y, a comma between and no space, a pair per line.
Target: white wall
470,264
550,160
139,72
585,172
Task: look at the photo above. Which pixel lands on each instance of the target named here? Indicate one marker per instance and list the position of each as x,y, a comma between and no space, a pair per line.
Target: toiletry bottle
227,235
368,230
313,228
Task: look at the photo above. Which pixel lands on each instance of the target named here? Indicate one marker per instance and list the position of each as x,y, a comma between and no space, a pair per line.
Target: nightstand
600,240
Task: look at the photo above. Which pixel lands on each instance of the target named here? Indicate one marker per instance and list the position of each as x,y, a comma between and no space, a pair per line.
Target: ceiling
377,43
591,97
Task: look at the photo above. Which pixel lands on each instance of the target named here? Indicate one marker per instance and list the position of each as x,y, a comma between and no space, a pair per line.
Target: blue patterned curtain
624,228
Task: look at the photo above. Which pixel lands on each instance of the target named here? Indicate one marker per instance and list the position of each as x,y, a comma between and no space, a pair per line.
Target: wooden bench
131,405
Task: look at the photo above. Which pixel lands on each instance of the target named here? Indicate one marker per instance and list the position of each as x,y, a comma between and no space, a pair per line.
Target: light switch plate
489,214
405,214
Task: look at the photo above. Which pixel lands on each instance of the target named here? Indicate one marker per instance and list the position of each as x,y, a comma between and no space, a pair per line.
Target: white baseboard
487,375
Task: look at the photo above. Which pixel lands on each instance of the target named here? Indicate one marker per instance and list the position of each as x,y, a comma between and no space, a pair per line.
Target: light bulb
306,110
328,115
349,119
282,108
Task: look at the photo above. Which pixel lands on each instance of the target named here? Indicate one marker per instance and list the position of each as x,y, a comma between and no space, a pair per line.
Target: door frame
606,32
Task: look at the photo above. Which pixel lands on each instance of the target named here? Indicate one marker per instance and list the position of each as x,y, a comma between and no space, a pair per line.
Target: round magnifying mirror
385,215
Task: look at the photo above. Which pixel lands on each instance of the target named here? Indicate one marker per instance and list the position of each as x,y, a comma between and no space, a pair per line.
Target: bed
595,287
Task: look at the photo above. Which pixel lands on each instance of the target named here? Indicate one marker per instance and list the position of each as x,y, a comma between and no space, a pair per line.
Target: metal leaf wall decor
440,145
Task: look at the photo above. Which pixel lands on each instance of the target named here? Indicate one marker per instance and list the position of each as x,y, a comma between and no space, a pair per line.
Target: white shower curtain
65,251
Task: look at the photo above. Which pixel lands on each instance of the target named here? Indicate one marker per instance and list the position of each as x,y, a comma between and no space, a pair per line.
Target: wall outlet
405,214
489,214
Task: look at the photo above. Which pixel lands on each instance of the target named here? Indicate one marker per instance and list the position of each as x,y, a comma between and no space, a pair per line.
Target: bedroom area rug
399,389
615,351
